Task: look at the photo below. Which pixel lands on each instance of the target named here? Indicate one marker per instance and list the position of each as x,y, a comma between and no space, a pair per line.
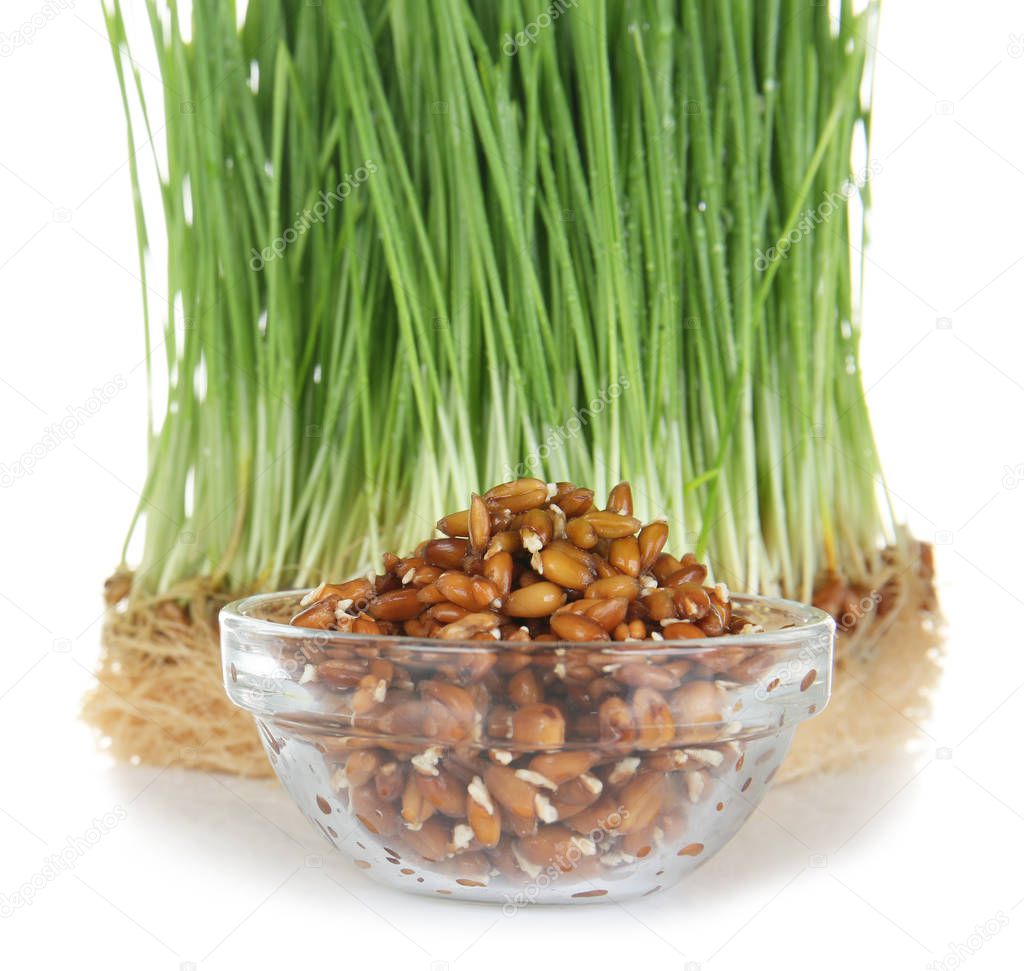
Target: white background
889,865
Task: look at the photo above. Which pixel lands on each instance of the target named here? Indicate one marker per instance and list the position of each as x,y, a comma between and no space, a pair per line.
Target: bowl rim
810,622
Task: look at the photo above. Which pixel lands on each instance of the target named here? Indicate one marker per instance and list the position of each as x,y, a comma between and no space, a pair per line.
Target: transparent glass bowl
522,773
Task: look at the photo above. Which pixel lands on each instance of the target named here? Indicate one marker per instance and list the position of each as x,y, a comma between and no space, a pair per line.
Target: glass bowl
527,772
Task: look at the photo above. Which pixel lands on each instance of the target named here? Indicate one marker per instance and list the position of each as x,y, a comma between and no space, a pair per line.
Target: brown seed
653,718
692,600
580,792
430,841
446,553
610,525
364,625
379,817
689,570
604,815
479,525
576,502
624,555
537,600
559,567
576,627
458,588
716,620
660,605
360,767
524,688
425,575
554,845
697,704
390,780
405,718
520,825
511,661
469,626
510,792
457,700
615,719
342,672
401,604
485,593
646,676
560,767
445,612
498,569
517,496
580,556
664,566
455,524
603,568
537,529
416,808
681,631
486,824
614,586
641,800
639,843
538,724
372,692
609,613
620,499
504,541
318,616
580,533
444,792
430,594
652,541
358,591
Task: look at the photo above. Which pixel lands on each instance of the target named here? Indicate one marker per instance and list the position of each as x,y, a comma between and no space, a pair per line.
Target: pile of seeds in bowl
534,561
523,752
